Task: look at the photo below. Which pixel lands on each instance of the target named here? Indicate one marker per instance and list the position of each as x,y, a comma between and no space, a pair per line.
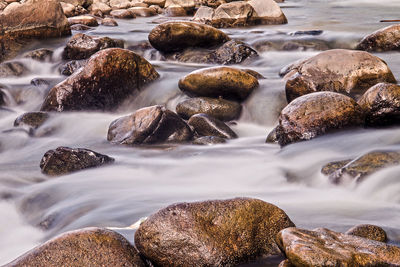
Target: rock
149,125
108,78
140,4
241,13
175,11
339,70
64,160
13,68
32,119
221,109
295,44
331,167
363,166
211,233
176,36
82,46
188,5
209,140
39,82
97,7
119,4
233,52
254,73
68,9
368,231
109,22
230,83
386,39
42,54
159,3
32,19
315,114
143,11
122,14
80,27
271,137
323,247
84,19
285,263
84,247
381,104
206,125
71,66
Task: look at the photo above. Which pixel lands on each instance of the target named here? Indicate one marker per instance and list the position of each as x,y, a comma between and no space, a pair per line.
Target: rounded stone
206,125
83,19
368,231
386,39
209,140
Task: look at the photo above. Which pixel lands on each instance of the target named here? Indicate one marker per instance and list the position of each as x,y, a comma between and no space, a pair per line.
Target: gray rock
206,125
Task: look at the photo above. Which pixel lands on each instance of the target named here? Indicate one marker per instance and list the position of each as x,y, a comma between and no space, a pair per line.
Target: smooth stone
176,36
205,125
100,7
368,231
143,11
42,54
119,4
386,39
188,5
331,167
80,27
109,22
32,119
108,78
221,109
122,14
13,68
159,3
71,66
175,11
226,82
84,19
64,160
149,125
209,140
233,52
316,114
271,137
211,233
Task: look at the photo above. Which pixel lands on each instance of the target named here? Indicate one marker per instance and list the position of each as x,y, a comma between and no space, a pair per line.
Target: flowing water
34,207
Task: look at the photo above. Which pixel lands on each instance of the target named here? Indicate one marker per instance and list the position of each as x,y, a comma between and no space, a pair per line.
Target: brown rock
386,39
285,263
323,247
159,3
368,231
149,125
13,68
188,5
143,11
109,22
315,114
338,70
211,233
233,52
84,247
176,36
42,54
175,11
205,125
84,19
108,78
32,119
71,66
331,167
122,14
80,27
209,140
99,7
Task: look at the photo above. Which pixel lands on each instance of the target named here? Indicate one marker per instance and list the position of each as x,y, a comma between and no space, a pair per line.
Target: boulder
368,231
386,39
84,247
120,4
205,125
323,247
109,22
338,70
122,14
211,233
108,78
149,125
220,109
187,5
315,114
381,104
178,35
82,46
229,83
209,140
83,19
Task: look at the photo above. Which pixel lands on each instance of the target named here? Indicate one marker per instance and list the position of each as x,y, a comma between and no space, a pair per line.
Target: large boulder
84,247
32,19
108,78
338,70
178,35
64,160
323,247
315,114
381,104
149,125
229,83
205,125
385,39
211,233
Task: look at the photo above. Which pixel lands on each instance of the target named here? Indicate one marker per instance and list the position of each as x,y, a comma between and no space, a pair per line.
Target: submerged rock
230,83
176,36
149,125
108,78
323,247
64,160
221,109
211,233
84,247
42,54
71,66
13,68
385,39
32,119
206,125
338,70
209,140
233,52
368,231
315,114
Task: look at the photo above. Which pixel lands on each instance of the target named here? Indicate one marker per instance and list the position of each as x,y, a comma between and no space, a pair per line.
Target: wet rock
381,104
241,13
149,125
71,66
175,11
143,11
254,73
311,32
159,3
338,70
187,5
206,125
209,140
385,39
80,27
233,52
303,44
315,114
331,167
32,119
12,69
364,165
64,160
109,22
99,7
68,9
108,78
39,82
323,247
42,54
285,263
211,233
122,14
82,46
229,83
176,36
84,19
119,4
84,247
221,109
271,137
368,231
